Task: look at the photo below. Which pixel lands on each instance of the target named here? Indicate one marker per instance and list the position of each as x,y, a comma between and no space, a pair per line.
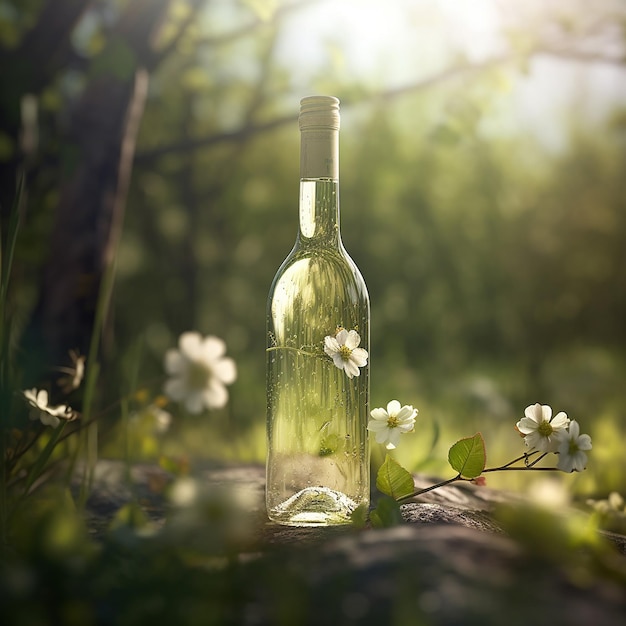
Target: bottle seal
319,112
319,148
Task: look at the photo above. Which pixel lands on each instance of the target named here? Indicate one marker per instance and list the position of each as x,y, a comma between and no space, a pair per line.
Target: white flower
390,424
343,350
199,372
541,430
571,449
41,410
73,375
184,492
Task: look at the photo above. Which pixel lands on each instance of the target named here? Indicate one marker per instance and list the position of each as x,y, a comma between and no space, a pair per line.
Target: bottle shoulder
320,253
310,260
321,279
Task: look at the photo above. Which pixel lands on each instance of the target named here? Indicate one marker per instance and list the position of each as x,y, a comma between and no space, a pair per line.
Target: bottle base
314,506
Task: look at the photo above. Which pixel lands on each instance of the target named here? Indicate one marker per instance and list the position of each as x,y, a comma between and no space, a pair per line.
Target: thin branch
147,156
420,492
164,52
247,131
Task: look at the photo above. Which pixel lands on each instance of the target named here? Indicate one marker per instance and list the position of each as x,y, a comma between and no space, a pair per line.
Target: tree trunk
28,69
98,153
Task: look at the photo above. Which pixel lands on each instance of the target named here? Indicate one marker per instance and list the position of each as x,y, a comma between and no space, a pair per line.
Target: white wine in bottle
317,350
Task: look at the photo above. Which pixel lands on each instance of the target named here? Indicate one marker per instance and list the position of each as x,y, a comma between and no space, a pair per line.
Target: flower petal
382,435
533,440
174,361
216,396
351,369
529,412
407,427
560,420
406,413
338,360
394,438
331,345
565,463
213,347
527,425
380,414
42,398
175,389
31,395
341,337
49,420
393,408
376,426
580,461
190,344
226,370
352,340
359,356
535,413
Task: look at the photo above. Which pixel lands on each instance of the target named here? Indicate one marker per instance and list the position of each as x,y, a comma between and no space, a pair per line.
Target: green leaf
386,514
359,516
393,480
468,456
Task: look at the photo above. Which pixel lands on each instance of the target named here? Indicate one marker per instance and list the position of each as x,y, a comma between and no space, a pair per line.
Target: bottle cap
319,112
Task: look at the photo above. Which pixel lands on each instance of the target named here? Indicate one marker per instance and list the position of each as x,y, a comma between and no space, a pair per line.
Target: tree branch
249,130
148,156
158,55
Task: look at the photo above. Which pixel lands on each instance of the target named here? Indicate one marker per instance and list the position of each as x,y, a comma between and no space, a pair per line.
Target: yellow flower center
198,375
545,429
345,352
393,421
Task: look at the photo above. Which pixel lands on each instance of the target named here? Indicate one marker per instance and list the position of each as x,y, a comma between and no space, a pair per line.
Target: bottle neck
319,212
319,187
319,153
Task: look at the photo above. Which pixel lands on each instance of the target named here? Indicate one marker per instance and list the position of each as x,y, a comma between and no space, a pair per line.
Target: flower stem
443,483
528,468
507,467
296,350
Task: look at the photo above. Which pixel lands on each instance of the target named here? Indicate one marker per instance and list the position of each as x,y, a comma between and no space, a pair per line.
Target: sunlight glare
390,41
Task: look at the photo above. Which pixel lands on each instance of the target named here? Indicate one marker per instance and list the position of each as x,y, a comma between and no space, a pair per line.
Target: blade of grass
6,264
42,459
90,437
13,229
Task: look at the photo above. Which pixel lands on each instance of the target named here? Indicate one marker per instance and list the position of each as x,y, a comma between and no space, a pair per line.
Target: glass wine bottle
317,343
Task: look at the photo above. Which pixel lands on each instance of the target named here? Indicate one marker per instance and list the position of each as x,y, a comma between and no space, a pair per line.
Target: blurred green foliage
496,265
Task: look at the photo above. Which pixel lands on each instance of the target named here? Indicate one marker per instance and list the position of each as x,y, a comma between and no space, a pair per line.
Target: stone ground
451,563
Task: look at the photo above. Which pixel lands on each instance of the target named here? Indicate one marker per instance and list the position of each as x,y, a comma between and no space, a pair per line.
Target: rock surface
451,563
